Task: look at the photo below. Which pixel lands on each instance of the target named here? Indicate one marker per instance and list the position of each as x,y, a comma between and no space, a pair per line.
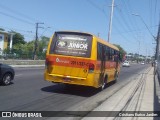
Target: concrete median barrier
24,63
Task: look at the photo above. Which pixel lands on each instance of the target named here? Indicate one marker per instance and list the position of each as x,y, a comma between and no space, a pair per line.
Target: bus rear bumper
89,81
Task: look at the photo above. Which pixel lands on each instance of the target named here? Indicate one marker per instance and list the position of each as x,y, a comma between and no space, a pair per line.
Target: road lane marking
29,74
18,75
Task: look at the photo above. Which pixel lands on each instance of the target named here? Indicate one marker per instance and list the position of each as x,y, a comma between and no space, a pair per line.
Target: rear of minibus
70,59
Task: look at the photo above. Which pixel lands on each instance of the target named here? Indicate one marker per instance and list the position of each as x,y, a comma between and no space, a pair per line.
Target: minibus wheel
104,83
116,77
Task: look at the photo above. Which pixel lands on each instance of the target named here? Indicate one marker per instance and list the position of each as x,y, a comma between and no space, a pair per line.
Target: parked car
6,74
126,64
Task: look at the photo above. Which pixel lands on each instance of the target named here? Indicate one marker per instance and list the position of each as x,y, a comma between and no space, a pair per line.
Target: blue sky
88,16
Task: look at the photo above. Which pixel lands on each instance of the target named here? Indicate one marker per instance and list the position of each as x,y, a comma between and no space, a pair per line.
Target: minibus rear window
71,44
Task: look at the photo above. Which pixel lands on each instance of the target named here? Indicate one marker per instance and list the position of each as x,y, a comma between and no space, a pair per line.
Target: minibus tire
104,83
103,86
116,77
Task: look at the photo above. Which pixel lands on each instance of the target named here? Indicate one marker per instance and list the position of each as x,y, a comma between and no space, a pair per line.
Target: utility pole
35,44
110,22
158,43
157,50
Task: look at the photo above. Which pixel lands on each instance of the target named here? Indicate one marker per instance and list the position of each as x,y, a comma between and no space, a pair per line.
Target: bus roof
107,43
99,39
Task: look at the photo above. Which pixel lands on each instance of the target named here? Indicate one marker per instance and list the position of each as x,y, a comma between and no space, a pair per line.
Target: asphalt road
29,91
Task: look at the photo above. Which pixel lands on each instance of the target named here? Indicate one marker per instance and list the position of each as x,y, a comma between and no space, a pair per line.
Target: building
3,41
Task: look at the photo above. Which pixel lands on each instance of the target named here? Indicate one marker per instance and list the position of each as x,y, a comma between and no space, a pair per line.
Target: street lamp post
144,24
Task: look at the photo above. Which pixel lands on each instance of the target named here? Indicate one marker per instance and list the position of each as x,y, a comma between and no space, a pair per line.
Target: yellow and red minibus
80,58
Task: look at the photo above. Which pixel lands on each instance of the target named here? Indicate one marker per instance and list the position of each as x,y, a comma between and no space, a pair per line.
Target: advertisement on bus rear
72,45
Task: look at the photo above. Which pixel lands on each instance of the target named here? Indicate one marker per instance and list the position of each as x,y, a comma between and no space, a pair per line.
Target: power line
101,10
129,9
19,19
125,21
24,16
123,25
17,29
144,24
44,31
136,30
133,23
97,7
133,19
18,13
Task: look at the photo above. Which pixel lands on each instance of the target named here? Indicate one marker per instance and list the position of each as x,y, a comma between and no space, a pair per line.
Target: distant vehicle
6,74
79,58
142,63
126,64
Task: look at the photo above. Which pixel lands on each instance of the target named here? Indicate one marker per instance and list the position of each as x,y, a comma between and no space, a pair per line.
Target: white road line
18,75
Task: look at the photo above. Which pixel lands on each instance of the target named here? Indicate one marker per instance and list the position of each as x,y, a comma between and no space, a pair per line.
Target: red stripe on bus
77,62
69,61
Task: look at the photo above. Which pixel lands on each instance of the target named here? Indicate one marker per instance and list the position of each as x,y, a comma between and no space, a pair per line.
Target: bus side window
115,56
107,55
120,57
99,51
112,54
103,53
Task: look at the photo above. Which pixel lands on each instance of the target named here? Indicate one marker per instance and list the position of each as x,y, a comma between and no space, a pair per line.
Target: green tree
17,38
122,51
24,51
130,54
30,46
43,43
42,46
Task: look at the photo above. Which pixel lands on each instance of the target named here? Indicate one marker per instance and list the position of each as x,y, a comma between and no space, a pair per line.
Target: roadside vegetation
24,50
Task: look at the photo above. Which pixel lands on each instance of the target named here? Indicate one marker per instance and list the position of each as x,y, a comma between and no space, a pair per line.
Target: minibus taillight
91,68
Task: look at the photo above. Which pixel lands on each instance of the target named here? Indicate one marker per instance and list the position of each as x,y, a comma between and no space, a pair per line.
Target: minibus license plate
67,79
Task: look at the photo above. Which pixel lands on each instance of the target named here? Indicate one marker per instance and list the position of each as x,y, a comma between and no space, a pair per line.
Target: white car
126,64
142,63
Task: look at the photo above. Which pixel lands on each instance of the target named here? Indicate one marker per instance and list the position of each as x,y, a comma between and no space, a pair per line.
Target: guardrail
23,62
